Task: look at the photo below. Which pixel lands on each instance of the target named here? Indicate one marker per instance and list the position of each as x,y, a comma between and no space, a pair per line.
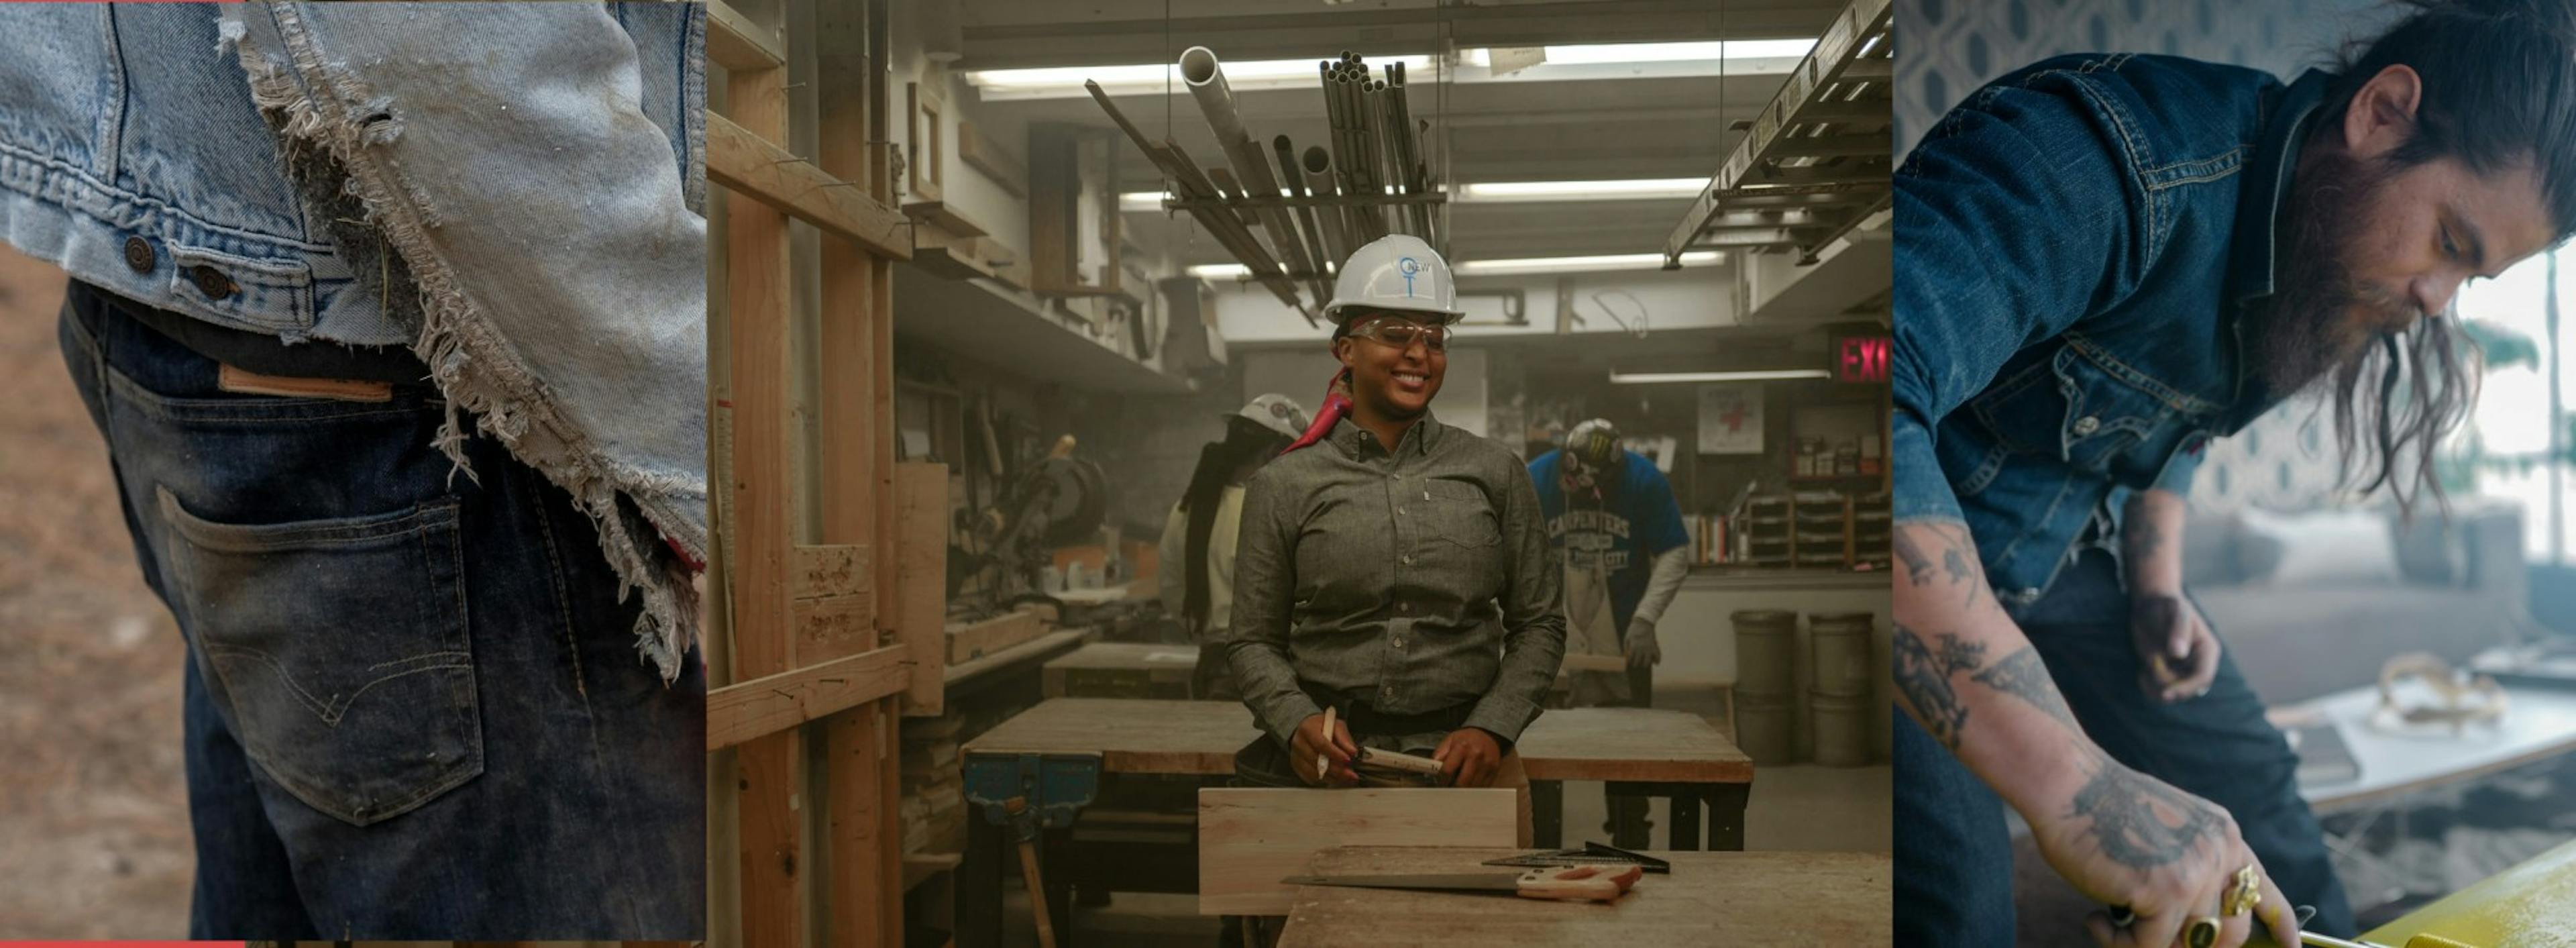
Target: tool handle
1419,765
1582,883
1323,762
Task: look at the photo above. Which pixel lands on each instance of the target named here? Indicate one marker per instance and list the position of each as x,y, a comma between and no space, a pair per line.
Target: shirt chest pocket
1457,514
2071,408
1459,547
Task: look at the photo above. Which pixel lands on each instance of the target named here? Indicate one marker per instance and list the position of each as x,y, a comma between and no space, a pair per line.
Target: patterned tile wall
2283,461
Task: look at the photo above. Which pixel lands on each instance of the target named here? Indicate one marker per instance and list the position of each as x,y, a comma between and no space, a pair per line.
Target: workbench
1767,898
1123,670
1059,751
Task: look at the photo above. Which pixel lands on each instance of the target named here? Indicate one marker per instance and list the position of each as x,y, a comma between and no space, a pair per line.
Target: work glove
1642,648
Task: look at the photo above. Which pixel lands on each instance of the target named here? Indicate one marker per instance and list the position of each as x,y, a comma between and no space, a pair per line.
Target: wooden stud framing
820,668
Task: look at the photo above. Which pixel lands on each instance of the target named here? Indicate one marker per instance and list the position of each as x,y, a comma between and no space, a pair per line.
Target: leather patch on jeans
231,379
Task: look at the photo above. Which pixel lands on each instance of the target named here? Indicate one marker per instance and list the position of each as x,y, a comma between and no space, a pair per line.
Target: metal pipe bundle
1190,185
1332,224
1305,216
1205,77
1409,151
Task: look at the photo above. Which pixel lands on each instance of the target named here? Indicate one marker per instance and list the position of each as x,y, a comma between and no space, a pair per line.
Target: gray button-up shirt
1414,581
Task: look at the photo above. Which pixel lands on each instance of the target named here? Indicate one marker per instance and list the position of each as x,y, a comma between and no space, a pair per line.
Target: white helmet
1276,412
1397,271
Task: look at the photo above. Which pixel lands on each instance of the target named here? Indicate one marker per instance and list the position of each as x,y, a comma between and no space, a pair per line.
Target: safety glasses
1400,333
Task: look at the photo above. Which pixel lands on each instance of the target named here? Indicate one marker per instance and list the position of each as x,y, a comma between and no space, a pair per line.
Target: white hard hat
1276,412
1397,271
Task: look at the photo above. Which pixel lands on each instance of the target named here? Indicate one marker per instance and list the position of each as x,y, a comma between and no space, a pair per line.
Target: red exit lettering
1862,359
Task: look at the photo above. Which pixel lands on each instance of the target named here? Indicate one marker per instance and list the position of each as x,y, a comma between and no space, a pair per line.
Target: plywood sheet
1250,837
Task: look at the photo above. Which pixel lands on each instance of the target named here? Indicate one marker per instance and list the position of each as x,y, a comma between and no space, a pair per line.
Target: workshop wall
1952,47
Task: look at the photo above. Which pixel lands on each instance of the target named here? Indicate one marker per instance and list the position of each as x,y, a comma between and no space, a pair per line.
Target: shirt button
1404,607
138,255
2087,425
212,282
1399,511
1399,643
1408,561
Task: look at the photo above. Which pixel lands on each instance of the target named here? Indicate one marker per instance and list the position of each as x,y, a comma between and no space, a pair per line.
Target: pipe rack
1367,179
1826,132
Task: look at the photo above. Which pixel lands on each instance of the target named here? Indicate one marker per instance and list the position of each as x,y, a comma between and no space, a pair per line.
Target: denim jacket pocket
340,650
2071,408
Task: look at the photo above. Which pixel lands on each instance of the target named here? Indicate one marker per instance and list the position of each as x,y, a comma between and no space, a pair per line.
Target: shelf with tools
1369,180
1816,163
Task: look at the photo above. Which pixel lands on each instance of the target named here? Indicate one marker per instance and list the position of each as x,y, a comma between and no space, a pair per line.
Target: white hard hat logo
1409,266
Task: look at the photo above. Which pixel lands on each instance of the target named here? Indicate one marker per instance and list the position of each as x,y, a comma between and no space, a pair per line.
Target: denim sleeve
2179,471
1265,586
2015,217
1533,617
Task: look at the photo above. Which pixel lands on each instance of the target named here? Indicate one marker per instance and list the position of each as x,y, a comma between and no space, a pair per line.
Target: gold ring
2202,933
2245,893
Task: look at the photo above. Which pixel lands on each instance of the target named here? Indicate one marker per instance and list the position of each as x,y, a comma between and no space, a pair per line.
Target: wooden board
774,703
1123,669
971,640
981,154
921,603
769,771
1631,744
835,607
1201,737
923,134
1251,837
1761,898
742,160
737,44
946,216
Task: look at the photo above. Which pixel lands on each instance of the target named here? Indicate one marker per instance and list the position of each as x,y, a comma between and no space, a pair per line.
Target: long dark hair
2499,88
1245,440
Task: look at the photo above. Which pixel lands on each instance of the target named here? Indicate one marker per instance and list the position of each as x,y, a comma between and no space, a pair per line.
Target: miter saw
1058,501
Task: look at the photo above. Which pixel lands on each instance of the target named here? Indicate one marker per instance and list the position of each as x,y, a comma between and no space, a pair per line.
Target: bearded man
2102,263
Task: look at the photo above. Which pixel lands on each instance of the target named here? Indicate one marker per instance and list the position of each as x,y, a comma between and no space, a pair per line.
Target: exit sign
1861,359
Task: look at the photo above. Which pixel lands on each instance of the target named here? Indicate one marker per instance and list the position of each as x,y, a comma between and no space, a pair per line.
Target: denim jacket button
2087,425
212,282
138,255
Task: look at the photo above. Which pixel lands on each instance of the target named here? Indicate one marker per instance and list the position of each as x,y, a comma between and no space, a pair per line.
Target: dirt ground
93,808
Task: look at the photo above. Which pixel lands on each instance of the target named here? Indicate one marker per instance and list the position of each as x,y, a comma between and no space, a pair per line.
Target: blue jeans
414,708
1953,852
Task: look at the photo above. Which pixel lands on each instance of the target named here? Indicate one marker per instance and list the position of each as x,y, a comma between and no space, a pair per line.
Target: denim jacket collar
2254,262
2267,186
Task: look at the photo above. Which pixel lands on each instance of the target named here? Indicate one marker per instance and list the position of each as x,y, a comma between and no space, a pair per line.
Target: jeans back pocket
340,650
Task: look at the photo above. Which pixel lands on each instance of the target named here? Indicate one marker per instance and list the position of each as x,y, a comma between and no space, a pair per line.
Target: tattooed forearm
1925,680
1918,564
1950,546
2140,822
1927,669
2022,675
2144,537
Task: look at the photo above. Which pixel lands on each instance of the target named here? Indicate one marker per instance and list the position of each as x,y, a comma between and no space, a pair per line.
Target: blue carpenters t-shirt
1635,519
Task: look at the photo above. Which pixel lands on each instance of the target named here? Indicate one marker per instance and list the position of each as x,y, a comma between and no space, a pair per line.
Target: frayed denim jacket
513,191
2076,246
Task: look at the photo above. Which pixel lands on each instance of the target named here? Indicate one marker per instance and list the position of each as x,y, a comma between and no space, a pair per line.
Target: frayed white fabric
536,317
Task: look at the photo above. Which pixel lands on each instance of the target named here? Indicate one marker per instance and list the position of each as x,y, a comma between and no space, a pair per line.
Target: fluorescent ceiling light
1151,77
1221,271
1624,53
1631,189
1625,261
1660,378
